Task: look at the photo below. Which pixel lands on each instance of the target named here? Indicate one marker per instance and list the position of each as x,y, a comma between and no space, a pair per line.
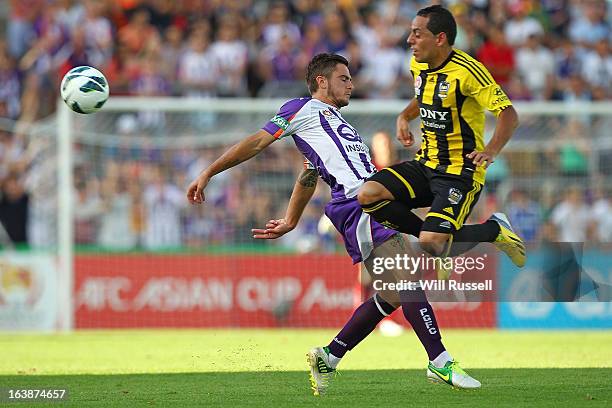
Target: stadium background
143,258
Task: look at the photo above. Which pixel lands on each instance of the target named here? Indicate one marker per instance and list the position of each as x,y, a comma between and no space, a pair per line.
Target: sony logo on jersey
433,114
281,122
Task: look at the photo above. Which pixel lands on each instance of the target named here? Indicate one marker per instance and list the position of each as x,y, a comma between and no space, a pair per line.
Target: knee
433,243
372,192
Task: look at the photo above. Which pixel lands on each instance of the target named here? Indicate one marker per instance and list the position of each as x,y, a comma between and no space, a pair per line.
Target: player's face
340,86
423,42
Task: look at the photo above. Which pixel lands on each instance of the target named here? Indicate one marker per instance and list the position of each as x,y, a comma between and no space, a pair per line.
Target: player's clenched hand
481,158
273,230
404,135
195,191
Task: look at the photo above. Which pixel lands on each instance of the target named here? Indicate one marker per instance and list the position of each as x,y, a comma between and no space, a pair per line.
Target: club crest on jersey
417,85
454,195
443,89
281,122
326,112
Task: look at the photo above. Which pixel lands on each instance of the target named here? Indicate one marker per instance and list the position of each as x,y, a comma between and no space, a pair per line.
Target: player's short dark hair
322,65
440,20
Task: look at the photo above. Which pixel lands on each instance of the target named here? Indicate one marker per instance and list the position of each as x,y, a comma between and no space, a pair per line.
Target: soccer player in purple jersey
334,151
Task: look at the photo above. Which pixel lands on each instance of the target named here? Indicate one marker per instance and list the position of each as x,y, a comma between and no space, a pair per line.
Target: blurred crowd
537,50
134,199
139,201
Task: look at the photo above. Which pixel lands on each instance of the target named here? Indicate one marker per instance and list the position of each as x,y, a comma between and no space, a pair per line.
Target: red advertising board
147,290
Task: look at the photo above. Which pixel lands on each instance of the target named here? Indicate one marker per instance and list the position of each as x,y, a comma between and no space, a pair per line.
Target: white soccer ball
84,89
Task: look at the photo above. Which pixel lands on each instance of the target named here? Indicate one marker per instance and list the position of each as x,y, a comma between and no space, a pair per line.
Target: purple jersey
334,148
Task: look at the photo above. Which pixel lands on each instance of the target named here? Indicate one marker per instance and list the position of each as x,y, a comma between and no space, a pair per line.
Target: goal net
143,257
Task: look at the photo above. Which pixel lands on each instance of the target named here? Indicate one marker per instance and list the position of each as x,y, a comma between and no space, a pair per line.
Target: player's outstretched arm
507,122
238,153
303,190
404,135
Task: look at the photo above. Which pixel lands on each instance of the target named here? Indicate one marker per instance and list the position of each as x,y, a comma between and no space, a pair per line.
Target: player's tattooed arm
303,191
308,178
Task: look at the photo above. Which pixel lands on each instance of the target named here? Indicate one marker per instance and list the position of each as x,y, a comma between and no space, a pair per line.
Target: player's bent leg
435,243
390,195
373,192
322,361
419,313
395,215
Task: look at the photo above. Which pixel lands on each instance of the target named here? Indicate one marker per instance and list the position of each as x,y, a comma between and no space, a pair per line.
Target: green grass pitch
183,368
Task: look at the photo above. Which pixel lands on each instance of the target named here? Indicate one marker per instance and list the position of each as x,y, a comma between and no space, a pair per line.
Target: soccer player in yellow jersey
452,90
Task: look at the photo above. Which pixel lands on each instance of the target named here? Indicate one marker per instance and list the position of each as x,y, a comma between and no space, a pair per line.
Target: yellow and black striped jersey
452,99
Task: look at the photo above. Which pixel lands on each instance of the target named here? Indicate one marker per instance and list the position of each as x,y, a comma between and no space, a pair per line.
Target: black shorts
451,198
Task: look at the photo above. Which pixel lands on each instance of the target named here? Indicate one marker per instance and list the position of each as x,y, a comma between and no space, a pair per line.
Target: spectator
382,70
597,68
497,56
356,64
98,34
369,35
572,217
517,89
231,54
278,66
20,30
38,64
567,61
116,226
536,65
151,79
468,37
10,87
556,14
198,69
198,75
525,215
337,38
591,26
602,217
312,45
279,25
163,202
172,51
70,13
14,209
576,89
75,53
87,210
521,26
139,35
573,150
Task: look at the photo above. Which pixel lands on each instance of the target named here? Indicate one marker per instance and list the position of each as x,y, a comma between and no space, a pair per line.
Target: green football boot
321,371
452,375
508,241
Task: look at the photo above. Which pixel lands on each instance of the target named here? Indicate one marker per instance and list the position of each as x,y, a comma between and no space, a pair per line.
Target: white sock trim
333,360
442,359
378,306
